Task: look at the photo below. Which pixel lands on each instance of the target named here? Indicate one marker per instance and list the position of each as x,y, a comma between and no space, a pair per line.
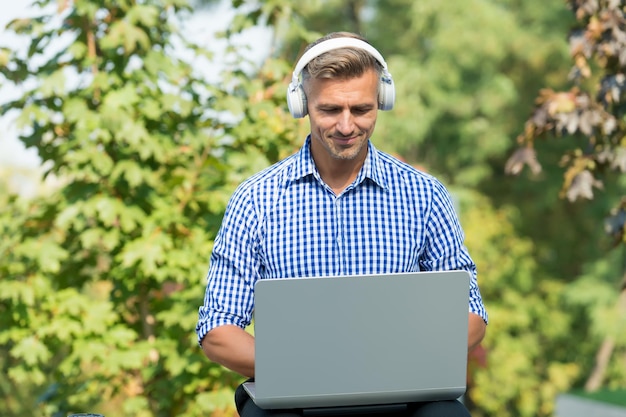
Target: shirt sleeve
445,248
233,269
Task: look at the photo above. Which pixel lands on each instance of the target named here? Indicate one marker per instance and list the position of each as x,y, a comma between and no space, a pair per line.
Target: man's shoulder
395,167
268,178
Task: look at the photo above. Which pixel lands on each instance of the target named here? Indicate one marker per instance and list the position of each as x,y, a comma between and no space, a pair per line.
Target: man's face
342,114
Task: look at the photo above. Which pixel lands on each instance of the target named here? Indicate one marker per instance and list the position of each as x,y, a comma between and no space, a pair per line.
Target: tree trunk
594,382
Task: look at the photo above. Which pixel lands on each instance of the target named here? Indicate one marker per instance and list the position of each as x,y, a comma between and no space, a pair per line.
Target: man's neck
338,174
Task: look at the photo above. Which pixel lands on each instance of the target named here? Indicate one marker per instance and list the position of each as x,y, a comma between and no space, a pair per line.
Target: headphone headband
329,45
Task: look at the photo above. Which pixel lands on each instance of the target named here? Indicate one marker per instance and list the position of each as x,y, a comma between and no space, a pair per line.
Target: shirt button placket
339,221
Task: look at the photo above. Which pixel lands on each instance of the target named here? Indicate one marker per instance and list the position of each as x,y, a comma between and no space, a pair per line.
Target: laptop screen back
355,340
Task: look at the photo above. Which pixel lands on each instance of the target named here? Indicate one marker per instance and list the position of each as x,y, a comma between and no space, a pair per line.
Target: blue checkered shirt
286,222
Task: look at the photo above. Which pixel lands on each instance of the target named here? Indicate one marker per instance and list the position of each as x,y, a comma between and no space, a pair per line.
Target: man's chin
345,154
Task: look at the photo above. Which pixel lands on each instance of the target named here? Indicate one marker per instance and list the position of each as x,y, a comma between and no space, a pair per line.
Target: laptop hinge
355,409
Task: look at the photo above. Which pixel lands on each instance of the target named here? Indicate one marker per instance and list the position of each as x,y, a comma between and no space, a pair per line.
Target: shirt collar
372,167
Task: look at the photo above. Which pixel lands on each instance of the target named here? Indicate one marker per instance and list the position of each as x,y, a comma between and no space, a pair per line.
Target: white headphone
296,98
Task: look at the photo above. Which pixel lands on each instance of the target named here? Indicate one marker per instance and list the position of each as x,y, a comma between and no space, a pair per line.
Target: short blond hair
344,63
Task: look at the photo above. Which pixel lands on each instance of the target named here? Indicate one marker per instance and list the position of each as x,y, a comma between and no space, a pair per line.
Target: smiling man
342,113
337,207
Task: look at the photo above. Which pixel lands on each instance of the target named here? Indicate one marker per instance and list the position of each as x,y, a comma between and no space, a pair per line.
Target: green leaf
146,15
17,292
122,99
4,56
130,171
55,84
31,351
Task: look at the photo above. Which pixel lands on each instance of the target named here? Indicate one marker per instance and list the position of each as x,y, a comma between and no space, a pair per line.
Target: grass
615,397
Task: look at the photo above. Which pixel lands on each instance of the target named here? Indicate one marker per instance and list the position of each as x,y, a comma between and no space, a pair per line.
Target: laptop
354,342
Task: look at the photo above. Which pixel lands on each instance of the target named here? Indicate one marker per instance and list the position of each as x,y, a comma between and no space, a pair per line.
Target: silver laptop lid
357,340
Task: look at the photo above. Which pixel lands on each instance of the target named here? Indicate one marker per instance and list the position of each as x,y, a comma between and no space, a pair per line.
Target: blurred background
126,125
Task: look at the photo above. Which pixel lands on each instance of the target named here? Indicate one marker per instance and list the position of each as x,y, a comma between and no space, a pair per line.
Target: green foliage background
102,276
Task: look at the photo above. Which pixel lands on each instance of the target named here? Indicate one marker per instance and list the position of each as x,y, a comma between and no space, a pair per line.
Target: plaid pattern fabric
285,222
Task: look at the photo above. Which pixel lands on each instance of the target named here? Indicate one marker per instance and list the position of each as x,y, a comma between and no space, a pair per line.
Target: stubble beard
344,153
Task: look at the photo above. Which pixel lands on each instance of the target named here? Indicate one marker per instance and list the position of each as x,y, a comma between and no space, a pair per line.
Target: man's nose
345,124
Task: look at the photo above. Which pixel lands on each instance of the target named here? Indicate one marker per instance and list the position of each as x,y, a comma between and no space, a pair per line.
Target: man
315,213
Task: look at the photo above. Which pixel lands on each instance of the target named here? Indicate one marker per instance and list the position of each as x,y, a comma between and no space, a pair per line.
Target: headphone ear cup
296,100
386,94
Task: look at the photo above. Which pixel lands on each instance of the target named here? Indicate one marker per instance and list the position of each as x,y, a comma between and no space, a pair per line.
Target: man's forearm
231,347
476,331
